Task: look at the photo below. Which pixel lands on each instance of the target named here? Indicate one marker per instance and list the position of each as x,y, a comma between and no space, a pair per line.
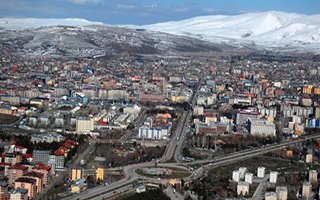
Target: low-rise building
78,186
261,127
243,188
270,196
282,192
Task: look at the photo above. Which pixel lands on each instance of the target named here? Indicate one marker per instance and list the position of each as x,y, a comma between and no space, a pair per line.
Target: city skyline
146,11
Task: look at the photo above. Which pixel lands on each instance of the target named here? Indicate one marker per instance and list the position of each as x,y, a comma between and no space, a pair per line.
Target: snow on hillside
269,29
263,29
25,23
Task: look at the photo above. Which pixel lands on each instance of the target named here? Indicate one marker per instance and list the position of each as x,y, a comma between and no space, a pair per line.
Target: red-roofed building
15,172
64,150
101,122
20,149
70,141
5,166
58,153
68,145
27,183
44,169
39,177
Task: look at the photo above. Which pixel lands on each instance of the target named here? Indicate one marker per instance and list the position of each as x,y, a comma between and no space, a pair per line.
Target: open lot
176,173
118,155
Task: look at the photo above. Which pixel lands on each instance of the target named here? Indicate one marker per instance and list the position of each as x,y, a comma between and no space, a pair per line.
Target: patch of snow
27,23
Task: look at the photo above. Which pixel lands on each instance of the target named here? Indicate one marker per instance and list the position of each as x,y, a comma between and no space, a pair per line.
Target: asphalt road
177,154
173,194
175,139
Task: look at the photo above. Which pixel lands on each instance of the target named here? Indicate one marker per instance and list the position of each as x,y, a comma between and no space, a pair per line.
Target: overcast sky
147,11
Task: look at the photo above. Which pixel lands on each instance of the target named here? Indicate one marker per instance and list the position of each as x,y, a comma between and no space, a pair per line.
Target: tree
182,183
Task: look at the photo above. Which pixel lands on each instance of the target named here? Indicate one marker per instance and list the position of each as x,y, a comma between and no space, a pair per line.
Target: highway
257,151
103,191
180,135
177,154
175,139
218,162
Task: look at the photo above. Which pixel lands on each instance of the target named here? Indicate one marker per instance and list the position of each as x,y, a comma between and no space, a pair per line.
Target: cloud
18,8
151,6
126,6
181,10
81,2
209,10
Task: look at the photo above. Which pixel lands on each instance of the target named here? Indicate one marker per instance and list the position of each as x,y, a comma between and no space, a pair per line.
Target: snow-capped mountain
262,30
77,38
27,23
267,29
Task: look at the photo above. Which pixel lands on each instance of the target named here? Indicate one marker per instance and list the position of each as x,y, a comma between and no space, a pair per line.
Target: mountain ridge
263,30
268,29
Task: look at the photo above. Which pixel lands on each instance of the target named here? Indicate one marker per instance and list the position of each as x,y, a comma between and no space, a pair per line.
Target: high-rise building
18,194
248,178
27,183
100,174
76,174
306,190
15,172
236,176
261,172
313,176
273,177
